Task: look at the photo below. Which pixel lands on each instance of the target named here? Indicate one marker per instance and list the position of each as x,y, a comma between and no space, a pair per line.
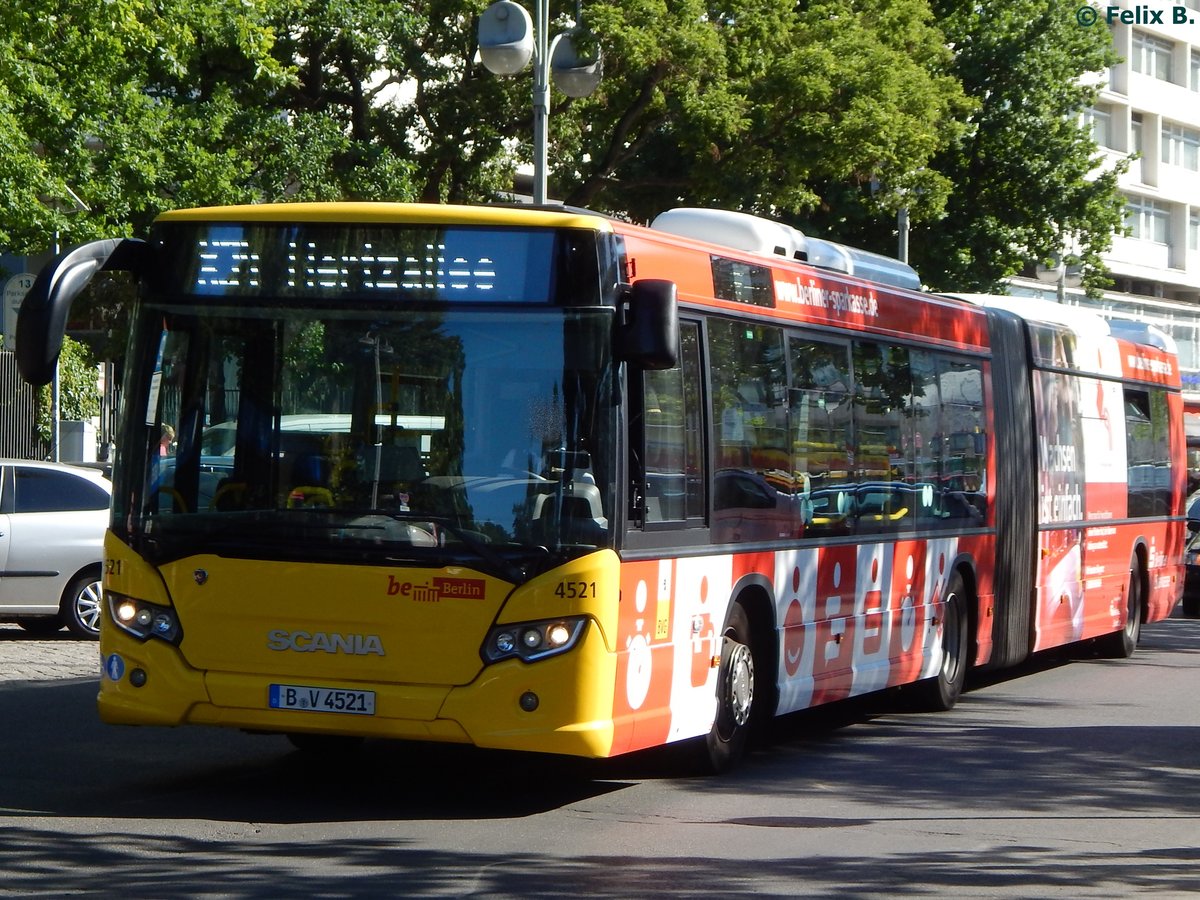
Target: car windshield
430,436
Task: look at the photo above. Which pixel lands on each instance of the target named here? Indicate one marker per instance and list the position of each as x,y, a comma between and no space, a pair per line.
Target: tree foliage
1026,184
78,396
831,114
753,104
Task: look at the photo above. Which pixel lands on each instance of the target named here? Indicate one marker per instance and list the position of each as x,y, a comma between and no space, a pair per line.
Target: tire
81,606
1121,644
40,624
941,692
738,698
1191,605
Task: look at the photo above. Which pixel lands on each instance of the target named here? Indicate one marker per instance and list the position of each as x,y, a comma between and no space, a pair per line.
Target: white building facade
1150,105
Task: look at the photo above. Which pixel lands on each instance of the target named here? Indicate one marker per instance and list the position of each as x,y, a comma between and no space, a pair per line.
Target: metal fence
18,413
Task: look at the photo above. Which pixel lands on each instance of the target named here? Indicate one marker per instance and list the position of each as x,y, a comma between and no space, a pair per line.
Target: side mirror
42,319
649,336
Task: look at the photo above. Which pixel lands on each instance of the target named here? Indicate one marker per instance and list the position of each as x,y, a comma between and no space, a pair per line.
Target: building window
1194,230
1152,56
1137,132
1181,146
1147,220
1101,123
1194,79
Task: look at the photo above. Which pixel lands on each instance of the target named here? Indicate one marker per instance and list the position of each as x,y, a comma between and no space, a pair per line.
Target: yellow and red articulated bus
535,479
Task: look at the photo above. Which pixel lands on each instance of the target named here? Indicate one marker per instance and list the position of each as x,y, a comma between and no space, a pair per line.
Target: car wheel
1191,605
40,624
81,606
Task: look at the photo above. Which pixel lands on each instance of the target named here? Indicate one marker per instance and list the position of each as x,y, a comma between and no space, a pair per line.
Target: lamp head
505,38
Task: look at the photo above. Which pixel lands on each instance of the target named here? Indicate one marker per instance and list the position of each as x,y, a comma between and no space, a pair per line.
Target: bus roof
765,237
397,213
1080,320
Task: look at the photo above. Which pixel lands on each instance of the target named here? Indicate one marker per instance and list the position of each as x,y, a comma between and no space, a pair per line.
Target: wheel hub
740,691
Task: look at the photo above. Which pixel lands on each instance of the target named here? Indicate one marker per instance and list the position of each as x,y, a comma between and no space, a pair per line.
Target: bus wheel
726,742
941,692
1121,644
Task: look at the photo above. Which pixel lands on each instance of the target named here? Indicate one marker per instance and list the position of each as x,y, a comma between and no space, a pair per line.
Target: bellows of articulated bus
743,231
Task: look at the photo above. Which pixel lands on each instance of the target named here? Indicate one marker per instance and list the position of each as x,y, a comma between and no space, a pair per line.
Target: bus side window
1148,452
964,442
674,455
821,427
883,451
754,489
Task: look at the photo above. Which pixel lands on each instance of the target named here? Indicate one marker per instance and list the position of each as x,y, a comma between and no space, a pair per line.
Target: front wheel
726,742
81,606
941,692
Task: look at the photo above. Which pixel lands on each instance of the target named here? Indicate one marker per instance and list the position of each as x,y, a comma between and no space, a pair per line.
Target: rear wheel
942,691
736,697
81,606
1121,644
1191,605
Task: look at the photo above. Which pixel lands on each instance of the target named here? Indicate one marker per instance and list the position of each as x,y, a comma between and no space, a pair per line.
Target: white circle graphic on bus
637,678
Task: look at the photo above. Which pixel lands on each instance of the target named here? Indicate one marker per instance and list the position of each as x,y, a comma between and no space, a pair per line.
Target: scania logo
325,642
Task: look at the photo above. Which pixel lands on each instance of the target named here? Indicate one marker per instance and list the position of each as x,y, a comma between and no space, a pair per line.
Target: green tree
1025,176
136,106
78,392
757,104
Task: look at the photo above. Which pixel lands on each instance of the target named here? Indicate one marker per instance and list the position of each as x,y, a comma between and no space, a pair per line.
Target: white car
52,523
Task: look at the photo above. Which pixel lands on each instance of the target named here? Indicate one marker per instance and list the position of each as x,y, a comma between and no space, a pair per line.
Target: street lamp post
74,206
508,39
1061,275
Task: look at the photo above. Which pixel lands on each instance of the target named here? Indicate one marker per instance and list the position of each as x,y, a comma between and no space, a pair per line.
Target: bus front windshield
461,435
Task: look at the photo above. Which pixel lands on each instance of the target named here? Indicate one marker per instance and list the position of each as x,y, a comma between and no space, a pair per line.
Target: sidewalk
27,657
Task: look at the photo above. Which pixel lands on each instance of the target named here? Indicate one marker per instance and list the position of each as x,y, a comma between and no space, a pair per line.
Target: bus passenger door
668,466
666,637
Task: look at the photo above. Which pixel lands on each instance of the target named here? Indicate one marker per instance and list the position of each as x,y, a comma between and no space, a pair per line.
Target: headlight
143,620
531,641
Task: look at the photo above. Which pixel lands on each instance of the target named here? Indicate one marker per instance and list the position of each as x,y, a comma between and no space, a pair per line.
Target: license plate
319,699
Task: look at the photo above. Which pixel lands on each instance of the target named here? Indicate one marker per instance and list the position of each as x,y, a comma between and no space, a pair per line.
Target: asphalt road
1074,777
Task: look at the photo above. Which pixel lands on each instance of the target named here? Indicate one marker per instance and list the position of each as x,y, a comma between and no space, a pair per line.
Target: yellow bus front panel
389,639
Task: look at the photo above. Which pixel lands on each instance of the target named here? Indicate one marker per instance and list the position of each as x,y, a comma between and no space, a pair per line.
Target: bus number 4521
575,590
